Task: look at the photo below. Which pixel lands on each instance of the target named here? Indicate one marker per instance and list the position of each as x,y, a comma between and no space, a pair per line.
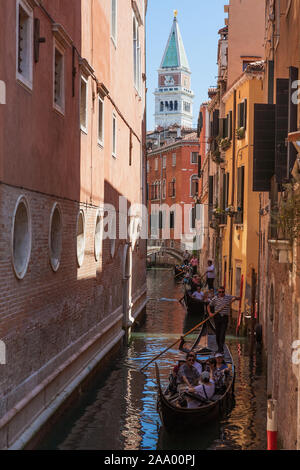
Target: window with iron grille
24,43
58,79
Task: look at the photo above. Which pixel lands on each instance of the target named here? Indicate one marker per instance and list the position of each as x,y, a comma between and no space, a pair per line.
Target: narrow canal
119,412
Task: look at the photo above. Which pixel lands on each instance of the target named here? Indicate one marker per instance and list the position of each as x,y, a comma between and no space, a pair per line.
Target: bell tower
174,97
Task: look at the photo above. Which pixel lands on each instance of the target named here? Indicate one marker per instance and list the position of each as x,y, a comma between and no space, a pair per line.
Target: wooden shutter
215,123
199,166
271,81
230,125
245,114
222,127
264,146
240,194
210,196
292,121
281,129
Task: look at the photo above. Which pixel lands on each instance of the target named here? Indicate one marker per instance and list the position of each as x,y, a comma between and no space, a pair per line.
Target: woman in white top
205,390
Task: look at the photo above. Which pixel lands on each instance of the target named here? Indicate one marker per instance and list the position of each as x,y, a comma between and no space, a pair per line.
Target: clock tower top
174,97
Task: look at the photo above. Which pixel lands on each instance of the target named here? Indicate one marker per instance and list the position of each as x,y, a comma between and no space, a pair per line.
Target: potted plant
224,144
216,157
218,212
230,211
240,133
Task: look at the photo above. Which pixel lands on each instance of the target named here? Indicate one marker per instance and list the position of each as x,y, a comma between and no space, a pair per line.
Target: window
187,107
161,106
156,164
174,159
58,80
136,55
55,237
114,20
83,104
114,136
148,167
172,219
175,105
21,238
172,188
164,189
194,157
80,238
240,195
194,185
193,218
100,121
171,105
24,43
164,162
242,114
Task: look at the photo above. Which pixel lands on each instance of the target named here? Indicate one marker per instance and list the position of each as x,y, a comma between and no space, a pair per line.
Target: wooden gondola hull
181,420
195,307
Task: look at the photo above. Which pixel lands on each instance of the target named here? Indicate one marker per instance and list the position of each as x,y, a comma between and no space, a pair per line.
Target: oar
186,334
181,272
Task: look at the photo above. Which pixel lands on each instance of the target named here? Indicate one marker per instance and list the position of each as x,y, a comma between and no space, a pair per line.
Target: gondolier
221,319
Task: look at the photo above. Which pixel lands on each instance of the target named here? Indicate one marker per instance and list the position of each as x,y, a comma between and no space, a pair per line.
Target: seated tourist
204,391
172,387
188,375
220,371
198,294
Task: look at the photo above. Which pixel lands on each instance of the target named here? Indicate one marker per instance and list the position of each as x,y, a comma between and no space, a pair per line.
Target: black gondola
194,306
178,273
179,419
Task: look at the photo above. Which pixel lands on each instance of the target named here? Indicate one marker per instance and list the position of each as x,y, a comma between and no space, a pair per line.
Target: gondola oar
188,333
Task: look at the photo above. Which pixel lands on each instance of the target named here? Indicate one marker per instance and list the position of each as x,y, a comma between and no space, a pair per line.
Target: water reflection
120,410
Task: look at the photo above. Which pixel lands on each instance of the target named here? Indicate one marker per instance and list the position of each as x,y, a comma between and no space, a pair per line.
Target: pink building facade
70,141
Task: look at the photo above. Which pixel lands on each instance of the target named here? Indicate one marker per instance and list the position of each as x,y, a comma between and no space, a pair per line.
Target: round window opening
21,243
55,238
98,236
80,238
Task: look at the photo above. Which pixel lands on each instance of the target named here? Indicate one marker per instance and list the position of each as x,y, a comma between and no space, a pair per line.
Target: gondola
178,273
194,306
176,419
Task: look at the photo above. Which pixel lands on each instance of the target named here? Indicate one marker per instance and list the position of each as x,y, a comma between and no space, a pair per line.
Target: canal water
119,411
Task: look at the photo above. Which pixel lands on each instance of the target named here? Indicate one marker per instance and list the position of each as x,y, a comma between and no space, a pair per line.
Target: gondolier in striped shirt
221,319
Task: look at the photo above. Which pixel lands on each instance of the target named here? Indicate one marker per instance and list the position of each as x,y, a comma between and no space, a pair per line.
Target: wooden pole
186,334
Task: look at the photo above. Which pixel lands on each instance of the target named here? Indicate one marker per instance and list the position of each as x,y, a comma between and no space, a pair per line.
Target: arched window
176,105
171,105
161,106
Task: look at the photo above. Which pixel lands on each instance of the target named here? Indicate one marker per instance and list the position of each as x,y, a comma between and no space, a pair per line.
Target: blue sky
199,22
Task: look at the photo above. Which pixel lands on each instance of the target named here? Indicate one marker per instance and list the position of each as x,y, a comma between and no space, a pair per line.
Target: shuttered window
292,120
242,114
210,196
240,195
264,146
281,129
215,123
